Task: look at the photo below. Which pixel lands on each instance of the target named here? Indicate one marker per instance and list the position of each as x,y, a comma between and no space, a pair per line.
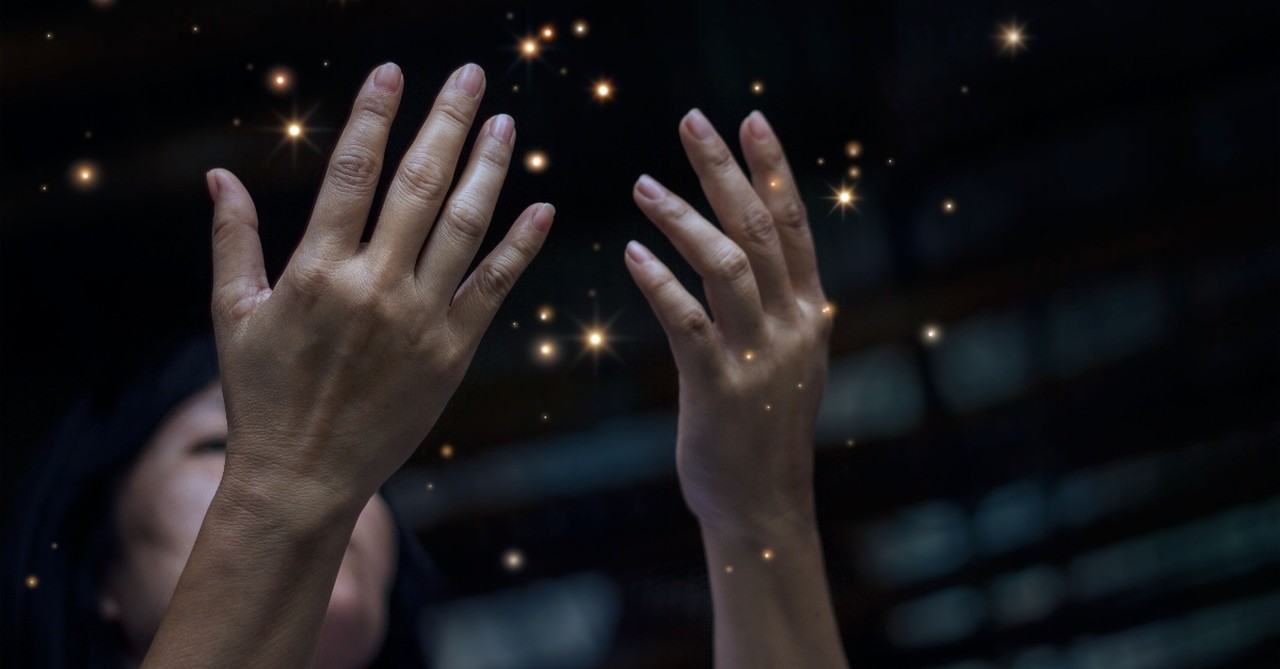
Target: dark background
1080,472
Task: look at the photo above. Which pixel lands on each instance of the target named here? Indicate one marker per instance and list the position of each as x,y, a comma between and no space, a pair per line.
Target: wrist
284,507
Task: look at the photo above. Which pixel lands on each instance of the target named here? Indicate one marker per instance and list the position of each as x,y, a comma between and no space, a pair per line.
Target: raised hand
751,378
334,375
752,373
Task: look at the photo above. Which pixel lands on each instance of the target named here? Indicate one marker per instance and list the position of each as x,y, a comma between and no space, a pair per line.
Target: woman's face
161,506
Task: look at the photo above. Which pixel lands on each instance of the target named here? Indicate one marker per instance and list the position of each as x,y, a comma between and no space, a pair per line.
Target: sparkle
964,90
757,87
799,386
546,314
545,417
515,88
948,206
546,350
529,47
54,546
854,172
595,339
548,32
768,407
48,36
84,174
728,569
44,188
535,161
32,582
564,71
294,130
774,183
849,443
430,486
853,149
749,356
236,121
580,28
1013,37
595,246
515,325
195,30
931,334
280,80
603,90
324,64
513,560
767,555
889,162
446,451
828,309
822,161
845,198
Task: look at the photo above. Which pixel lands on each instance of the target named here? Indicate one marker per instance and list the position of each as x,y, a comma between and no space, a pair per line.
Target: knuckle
693,323
497,277
793,213
468,219
732,264
373,109
757,224
354,169
424,178
453,115
720,159
495,157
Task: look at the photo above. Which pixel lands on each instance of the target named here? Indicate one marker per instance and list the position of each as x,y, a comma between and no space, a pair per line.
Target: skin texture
334,375
159,510
751,381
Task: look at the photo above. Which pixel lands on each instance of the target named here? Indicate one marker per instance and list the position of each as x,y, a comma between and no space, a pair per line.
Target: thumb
239,277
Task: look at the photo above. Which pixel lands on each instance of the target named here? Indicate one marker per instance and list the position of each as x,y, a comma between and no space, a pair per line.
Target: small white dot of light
324,64
728,569
767,555
774,183
88,134
513,560
545,314
964,90
536,161
828,309
854,172
515,325
889,162
430,486
236,121
54,545
195,30
48,36
515,88
591,292
546,417
749,356
949,206
580,28
446,451
757,87
799,386
768,407
511,16
32,582
86,174
822,161
564,71
44,188
853,149
849,442
546,349
931,333
595,246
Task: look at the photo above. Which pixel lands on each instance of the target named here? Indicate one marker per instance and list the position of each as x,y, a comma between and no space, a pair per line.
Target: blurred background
1050,434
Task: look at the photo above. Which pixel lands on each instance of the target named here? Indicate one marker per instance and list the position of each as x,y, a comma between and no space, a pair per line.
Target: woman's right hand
334,376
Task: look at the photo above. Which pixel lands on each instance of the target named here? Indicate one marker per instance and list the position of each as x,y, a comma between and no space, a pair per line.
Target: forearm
771,600
257,585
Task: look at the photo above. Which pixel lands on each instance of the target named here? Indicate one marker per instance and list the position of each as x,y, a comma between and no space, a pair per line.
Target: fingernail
470,79
638,253
543,217
758,126
211,180
699,125
649,188
503,127
387,78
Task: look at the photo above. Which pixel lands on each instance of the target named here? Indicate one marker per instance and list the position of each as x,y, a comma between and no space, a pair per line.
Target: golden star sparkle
529,48
948,206
603,90
1012,37
931,334
535,161
757,87
580,28
446,451
845,198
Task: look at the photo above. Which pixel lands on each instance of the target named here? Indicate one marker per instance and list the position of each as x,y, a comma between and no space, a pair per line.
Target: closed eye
216,444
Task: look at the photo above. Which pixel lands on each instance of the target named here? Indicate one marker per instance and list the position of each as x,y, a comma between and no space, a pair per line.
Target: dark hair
62,532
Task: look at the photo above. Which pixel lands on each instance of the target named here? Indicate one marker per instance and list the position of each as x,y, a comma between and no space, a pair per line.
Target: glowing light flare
749,356
546,314
853,149
529,48
446,451
84,175
855,172
1012,37
580,28
757,87
513,560
603,90
293,130
728,569
844,198
931,334
279,79
767,555
548,32
948,206
595,339
536,161
32,582
849,443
